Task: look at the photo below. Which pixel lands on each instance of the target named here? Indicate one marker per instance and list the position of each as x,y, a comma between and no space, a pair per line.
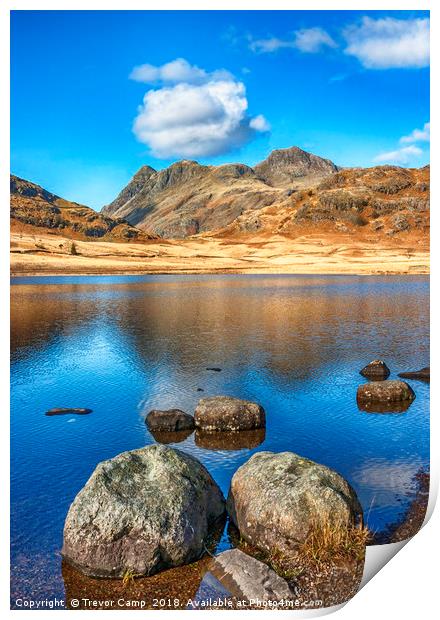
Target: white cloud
312,40
259,123
389,43
174,72
196,115
272,44
308,40
418,135
400,156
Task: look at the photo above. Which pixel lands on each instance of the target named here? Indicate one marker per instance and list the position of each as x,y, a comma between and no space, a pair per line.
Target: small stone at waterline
224,413
170,420
66,410
385,392
377,369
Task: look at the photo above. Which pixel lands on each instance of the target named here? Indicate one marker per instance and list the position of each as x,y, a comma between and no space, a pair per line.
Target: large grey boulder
169,420
142,511
247,578
376,370
275,500
385,392
224,413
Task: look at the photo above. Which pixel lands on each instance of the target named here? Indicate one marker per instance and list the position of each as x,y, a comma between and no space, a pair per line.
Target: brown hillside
34,209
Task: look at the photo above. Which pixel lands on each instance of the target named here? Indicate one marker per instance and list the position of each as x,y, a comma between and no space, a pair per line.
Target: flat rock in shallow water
169,420
422,375
247,578
224,413
67,410
385,392
377,370
142,512
275,500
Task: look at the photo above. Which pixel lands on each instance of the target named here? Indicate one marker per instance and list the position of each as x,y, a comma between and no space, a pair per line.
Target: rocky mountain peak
284,167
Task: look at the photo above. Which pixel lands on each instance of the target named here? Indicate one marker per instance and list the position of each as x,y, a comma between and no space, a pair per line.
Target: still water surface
124,345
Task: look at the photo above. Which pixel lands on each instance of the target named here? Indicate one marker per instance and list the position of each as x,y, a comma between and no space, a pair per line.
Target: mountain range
292,193
187,198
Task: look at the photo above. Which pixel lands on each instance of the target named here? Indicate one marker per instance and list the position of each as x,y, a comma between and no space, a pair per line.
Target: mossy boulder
275,500
141,512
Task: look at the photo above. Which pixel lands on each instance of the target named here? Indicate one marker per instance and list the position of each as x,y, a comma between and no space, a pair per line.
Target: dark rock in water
377,370
224,413
230,440
275,500
68,410
200,390
385,393
142,512
247,578
171,436
170,420
422,375
215,369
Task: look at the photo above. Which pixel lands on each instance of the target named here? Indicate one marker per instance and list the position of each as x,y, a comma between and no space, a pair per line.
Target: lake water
124,345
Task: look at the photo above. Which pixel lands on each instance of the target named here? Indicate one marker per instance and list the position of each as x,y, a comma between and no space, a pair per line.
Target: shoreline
55,274
41,255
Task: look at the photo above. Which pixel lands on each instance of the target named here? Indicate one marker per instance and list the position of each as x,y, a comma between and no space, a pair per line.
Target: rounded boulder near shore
225,413
141,512
277,499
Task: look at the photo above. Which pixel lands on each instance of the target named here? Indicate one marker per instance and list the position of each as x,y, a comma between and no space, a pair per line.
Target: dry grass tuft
329,543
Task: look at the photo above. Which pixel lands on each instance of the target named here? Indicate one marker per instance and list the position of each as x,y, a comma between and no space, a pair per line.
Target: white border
406,587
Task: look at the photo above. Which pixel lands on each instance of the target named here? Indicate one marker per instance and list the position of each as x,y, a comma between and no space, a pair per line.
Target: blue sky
97,94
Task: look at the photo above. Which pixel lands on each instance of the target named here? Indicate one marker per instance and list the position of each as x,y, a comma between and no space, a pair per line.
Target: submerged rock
422,375
170,420
224,413
230,440
275,500
377,369
67,410
142,512
384,392
214,369
247,578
